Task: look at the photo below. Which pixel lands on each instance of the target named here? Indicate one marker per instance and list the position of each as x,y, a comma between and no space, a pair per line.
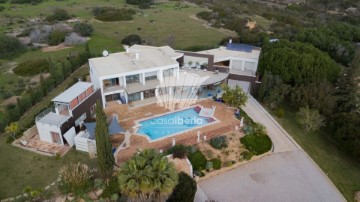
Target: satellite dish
105,53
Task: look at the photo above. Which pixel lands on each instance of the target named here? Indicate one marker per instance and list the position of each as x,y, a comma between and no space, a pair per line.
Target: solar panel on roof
239,47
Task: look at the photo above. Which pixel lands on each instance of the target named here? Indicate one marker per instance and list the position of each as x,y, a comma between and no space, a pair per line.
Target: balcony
112,89
51,118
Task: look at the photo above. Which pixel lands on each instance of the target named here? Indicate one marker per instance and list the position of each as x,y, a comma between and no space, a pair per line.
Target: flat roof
123,62
71,93
54,119
234,50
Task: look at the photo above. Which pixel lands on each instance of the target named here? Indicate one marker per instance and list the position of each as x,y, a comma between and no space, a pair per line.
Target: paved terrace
127,118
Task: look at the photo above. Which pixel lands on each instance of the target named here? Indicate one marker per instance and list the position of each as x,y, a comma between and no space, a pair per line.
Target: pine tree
32,95
105,156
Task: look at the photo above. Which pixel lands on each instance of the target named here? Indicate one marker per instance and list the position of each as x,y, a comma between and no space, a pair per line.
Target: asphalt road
288,174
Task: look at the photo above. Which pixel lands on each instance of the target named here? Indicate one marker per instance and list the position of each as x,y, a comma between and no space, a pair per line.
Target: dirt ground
231,153
54,48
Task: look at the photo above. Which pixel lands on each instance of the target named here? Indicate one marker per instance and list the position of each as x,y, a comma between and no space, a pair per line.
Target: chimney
230,40
137,55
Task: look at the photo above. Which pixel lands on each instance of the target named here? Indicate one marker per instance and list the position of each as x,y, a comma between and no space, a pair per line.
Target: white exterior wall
45,129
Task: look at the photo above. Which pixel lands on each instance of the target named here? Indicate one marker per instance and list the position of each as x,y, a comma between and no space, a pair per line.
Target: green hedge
32,67
256,144
198,160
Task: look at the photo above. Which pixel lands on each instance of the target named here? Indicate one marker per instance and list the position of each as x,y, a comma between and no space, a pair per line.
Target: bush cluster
83,29
219,142
198,160
32,67
58,15
143,4
33,2
56,37
256,144
10,47
178,151
110,14
75,178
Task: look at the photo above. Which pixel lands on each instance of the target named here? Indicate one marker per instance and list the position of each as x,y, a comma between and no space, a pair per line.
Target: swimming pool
173,123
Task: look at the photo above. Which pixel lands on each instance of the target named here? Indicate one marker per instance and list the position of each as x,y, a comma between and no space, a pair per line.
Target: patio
127,118
31,141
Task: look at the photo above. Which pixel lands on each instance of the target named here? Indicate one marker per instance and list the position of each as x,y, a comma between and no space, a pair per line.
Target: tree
147,176
310,119
105,157
235,97
83,29
10,47
297,63
12,129
185,190
131,40
263,86
317,95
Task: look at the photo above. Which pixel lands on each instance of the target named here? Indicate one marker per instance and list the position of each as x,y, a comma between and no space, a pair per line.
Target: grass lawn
20,168
343,171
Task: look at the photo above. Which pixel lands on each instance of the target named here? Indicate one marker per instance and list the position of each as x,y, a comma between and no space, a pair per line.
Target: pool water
166,125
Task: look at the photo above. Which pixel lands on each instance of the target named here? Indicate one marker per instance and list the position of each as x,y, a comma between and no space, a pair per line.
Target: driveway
286,175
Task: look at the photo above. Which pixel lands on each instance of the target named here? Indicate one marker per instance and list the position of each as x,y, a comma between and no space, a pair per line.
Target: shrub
185,190
75,178
2,8
83,29
131,40
199,173
56,37
143,4
32,67
74,39
198,160
280,113
178,151
109,14
58,15
246,155
209,166
256,144
219,142
111,188
10,47
216,163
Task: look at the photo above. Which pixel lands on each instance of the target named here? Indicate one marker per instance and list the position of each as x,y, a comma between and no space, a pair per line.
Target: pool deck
128,117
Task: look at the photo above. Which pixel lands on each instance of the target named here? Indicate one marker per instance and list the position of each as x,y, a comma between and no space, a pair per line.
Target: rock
60,199
99,192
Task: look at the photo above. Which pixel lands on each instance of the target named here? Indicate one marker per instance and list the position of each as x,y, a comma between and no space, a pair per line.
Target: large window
149,93
134,97
133,79
150,78
55,137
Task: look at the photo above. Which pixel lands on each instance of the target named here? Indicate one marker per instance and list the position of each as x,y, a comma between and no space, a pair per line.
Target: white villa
143,72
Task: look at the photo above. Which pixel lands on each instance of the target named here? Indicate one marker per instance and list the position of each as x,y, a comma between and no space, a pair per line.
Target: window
80,119
55,137
149,93
133,79
150,78
134,97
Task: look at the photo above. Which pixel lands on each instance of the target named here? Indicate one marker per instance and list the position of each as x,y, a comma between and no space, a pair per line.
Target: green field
154,25
343,171
21,168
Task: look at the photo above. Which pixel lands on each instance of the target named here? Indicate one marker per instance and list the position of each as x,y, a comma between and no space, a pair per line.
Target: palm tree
147,176
12,129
